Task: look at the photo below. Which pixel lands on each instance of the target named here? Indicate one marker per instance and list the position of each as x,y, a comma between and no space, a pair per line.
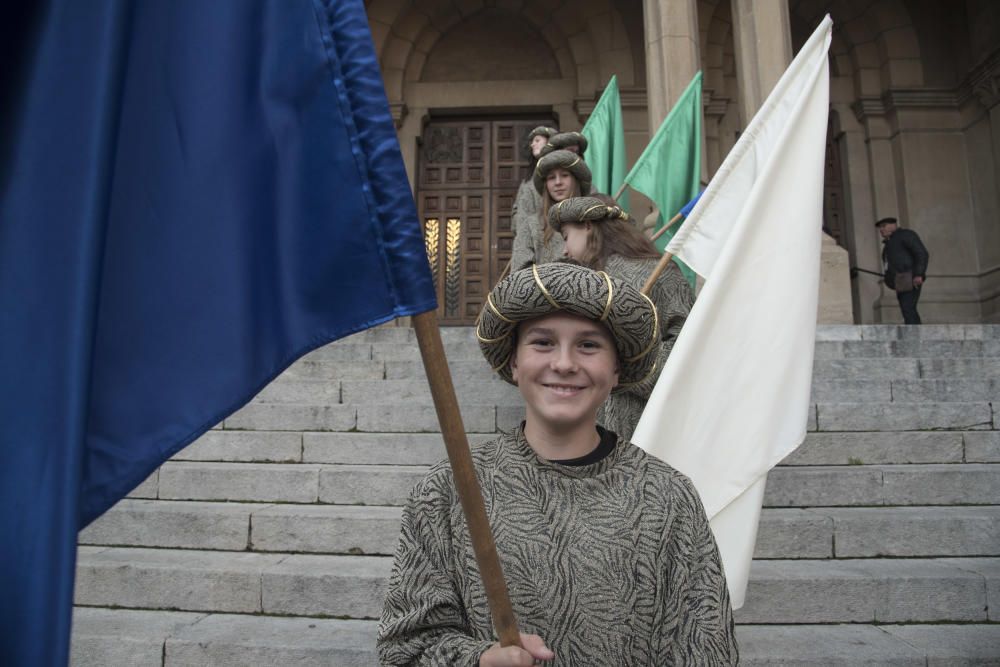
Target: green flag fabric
669,170
605,134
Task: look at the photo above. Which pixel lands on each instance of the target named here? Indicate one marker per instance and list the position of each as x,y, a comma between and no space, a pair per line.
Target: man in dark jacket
904,259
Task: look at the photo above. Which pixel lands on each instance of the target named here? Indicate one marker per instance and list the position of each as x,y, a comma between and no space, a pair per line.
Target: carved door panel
469,172
456,233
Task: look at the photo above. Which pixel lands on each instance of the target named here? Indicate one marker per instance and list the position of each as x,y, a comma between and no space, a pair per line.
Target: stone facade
914,115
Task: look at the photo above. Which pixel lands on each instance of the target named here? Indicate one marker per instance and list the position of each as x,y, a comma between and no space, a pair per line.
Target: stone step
867,646
368,418
788,486
882,590
138,637
905,416
876,368
482,412
780,591
888,447
104,637
223,581
113,637
287,483
493,391
374,530
842,448
938,349
889,485
836,332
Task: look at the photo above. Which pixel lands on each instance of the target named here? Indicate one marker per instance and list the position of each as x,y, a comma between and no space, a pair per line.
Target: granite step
112,637
492,408
834,332
841,448
883,485
879,590
374,530
493,391
166,639
788,486
868,646
875,368
886,590
224,581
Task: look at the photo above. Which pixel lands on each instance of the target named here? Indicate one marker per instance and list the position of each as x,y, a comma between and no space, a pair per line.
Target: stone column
672,56
762,39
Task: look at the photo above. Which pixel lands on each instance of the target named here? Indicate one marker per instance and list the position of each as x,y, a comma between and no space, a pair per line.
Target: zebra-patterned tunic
529,246
673,298
611,563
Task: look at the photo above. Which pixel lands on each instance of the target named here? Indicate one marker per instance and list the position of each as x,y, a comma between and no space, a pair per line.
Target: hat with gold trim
583,209
542,131
571,162
573,142
540,290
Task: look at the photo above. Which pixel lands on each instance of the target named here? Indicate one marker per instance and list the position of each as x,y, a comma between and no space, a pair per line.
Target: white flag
733,398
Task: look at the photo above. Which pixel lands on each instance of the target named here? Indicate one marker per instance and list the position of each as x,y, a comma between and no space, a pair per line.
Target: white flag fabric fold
734,396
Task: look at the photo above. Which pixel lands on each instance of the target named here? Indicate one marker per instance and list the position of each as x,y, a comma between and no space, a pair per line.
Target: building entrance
469,172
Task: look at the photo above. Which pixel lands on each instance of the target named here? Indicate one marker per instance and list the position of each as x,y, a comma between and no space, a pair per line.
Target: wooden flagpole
659,232
620,191
469,493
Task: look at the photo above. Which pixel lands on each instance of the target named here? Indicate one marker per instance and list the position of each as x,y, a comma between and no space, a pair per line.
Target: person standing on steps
607,552
528,202
904,261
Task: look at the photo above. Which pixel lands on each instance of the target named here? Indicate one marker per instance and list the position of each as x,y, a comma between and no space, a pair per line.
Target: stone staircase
269,540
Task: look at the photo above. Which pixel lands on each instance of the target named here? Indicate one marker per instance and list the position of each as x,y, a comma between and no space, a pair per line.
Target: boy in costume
607,552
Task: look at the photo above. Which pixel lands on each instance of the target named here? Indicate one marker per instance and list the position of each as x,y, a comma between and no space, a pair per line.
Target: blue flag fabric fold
194,195
688,207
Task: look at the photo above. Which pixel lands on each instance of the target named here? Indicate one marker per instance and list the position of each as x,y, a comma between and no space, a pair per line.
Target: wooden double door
469,172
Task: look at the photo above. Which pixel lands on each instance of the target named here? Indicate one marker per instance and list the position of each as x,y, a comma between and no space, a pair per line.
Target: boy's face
565,367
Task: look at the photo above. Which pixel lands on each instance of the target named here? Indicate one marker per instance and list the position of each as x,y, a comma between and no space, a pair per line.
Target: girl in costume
600,235
559,175
528,202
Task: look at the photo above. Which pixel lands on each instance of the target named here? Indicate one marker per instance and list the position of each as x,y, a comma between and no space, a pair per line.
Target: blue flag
194,194
688,207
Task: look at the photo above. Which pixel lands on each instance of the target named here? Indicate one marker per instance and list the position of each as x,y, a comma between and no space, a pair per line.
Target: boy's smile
565,367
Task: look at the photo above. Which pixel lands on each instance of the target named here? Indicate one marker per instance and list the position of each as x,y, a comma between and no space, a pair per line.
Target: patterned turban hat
571,162
582,209
563,141
556,287
542,131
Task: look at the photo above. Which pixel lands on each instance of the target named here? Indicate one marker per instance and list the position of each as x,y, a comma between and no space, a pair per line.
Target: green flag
669,170
605,134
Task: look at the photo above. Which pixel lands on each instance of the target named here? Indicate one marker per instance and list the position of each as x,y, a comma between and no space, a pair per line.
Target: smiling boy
607,552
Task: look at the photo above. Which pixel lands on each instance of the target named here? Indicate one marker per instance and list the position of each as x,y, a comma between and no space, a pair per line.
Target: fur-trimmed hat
582,209
629,315
565,141
571,162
